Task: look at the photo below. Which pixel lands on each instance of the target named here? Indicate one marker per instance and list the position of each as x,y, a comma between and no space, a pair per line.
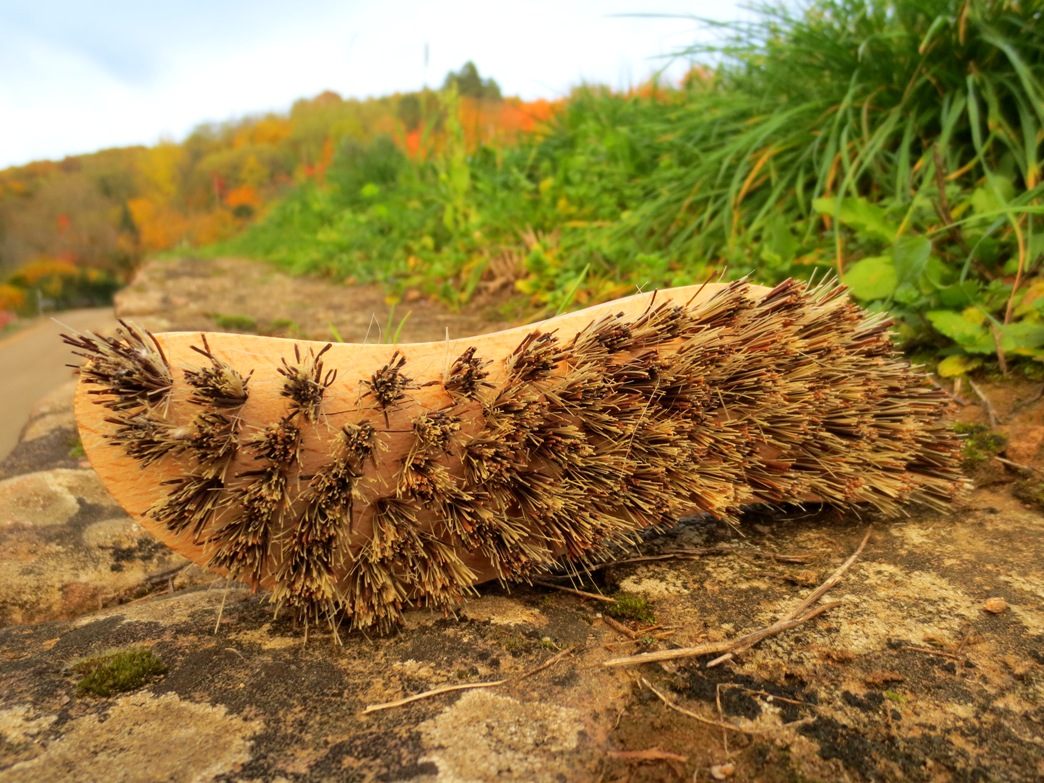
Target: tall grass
856,98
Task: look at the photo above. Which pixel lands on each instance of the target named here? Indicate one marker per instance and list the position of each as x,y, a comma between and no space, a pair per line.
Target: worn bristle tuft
218,384
389,384
305,382
466,379
128,371
563,441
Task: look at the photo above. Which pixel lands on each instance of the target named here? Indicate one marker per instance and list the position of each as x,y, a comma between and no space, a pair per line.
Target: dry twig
800,614
550,661
932,651
1017,465
652,754
574,591
616,625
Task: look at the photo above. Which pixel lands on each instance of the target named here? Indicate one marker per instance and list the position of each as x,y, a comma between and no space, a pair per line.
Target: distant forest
71,231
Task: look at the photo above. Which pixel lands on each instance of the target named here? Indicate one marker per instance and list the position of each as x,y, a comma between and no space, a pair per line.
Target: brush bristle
419,483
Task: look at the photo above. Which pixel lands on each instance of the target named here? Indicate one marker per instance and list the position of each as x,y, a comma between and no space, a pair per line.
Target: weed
285,326
980,444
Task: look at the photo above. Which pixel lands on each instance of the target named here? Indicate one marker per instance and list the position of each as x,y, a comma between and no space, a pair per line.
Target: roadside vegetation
894,144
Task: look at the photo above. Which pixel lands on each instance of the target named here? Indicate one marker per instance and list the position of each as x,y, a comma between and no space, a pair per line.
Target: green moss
76,447
980,444
116,671
238,323
629,606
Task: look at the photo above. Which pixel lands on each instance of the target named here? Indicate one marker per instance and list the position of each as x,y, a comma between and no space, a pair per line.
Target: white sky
81,75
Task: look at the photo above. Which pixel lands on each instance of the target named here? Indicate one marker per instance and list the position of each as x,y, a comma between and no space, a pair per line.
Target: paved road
32,363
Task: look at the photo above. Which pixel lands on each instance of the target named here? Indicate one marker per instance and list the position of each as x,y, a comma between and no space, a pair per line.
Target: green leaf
972,337
1021,337
935,277
952,366
859,214
872,278
960,294
910,256
994,196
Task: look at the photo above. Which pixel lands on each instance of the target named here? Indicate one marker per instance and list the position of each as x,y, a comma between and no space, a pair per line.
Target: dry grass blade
593,596
620,627
800,614
651,754
428,694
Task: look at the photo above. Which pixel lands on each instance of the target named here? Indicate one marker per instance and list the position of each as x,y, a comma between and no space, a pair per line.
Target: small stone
995,606
723,771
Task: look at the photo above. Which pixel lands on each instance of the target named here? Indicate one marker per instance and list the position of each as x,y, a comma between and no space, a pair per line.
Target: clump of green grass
287,326
116,671
630,606
981,444
236,323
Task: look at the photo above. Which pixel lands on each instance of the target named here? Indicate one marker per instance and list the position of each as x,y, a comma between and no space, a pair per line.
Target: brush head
352,480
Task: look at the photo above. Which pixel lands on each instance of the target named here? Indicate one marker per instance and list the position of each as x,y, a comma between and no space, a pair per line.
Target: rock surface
910,677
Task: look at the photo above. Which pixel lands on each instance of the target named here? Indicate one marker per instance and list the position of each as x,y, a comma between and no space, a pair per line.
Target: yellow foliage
32,273
160,166
253,174
11,297
268,131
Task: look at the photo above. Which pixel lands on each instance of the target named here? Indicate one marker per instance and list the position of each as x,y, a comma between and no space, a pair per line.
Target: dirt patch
230,294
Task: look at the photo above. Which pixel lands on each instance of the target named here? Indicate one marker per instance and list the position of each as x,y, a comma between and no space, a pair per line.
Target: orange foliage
160,226
412,143
210,227
502,122
484,123
243,196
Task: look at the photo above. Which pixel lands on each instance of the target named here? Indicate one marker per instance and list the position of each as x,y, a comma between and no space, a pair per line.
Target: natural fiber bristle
306,382
353,481
130,369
